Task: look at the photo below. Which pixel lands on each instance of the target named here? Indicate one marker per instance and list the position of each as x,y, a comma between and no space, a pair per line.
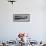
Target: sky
37,25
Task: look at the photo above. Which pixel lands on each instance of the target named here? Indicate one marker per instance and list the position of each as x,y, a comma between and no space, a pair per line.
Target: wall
36,27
